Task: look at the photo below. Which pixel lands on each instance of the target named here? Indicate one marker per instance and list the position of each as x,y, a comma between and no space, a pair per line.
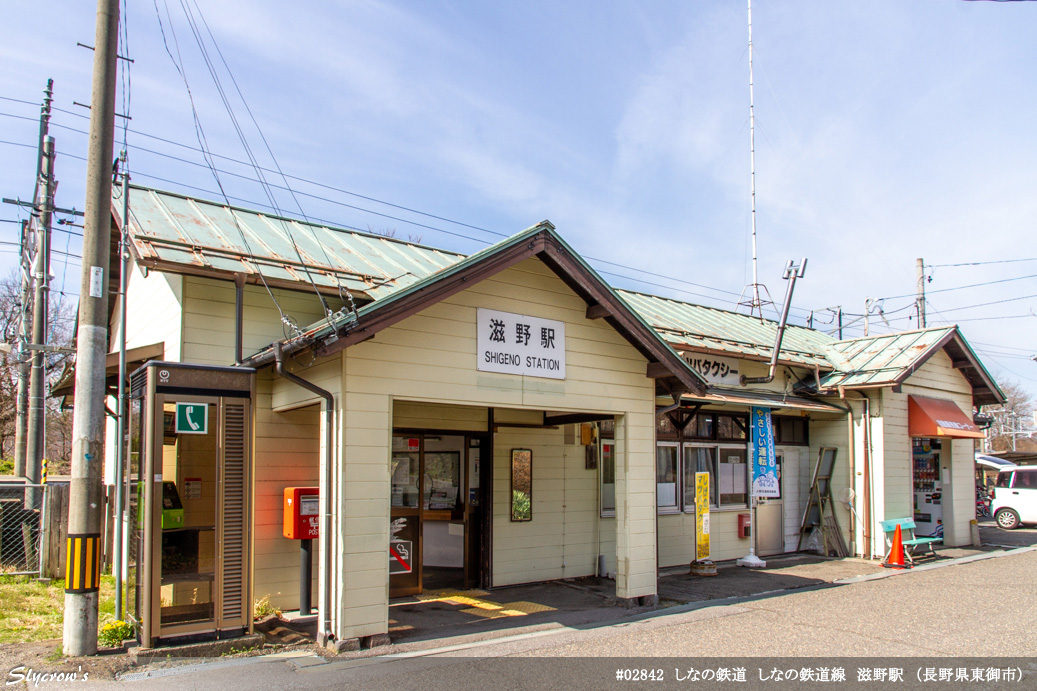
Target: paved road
979,609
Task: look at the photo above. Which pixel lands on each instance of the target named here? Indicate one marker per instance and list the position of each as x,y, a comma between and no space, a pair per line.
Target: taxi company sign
517,344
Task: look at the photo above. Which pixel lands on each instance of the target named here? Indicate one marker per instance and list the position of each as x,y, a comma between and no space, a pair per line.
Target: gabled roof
889,359
700,328
186,235
672,374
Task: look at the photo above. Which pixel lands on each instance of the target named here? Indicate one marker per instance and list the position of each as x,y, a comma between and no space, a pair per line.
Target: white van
1015,497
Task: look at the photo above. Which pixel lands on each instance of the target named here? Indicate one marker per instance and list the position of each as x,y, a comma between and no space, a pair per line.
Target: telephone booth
190,502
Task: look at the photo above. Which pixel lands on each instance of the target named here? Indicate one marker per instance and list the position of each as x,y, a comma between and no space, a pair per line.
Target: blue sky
885,131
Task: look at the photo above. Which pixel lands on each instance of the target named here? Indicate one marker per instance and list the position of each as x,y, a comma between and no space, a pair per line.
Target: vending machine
928,488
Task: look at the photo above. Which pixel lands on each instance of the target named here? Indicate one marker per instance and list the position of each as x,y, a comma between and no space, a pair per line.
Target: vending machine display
928,488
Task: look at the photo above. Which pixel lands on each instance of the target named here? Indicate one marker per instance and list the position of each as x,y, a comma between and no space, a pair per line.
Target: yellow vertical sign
701,516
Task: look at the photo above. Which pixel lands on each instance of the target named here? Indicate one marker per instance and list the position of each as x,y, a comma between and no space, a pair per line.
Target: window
666,476
732,428
608,477
732,474
1025,479
664,427
699,459
790,431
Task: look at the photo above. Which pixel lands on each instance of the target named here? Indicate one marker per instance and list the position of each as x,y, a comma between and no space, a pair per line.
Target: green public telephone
172,509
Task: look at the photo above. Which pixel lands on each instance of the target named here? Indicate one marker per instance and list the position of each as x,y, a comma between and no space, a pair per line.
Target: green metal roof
685,325
889,359
174,232
880,360
169,230
560,254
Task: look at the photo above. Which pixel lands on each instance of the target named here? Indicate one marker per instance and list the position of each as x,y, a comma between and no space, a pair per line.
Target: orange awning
936,417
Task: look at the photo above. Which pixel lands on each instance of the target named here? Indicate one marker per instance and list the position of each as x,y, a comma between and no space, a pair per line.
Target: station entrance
438,511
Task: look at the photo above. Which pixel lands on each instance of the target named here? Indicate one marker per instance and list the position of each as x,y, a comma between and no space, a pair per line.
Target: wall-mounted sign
192,418
715,370
517,344
766,482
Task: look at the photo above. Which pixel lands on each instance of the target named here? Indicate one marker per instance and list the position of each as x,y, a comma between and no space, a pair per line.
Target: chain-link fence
26,543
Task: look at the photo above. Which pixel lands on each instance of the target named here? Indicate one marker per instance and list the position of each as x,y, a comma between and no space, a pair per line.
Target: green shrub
114,632
6,466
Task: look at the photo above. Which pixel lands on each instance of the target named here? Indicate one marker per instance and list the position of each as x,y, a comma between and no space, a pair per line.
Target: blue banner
766,482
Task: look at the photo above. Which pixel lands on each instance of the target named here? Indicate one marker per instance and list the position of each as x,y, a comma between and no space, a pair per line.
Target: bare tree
1012,420
58,422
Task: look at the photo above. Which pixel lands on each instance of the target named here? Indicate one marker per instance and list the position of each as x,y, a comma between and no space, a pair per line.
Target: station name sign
516,344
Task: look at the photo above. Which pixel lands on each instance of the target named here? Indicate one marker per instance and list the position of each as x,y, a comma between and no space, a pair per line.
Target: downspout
866,464
239,321
792,272
324,633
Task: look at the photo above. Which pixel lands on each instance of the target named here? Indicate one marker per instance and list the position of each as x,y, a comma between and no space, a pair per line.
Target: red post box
301,513
743,525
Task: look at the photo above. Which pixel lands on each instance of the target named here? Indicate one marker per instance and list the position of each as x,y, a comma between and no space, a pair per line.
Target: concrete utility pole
21,419
920,301
37,438
82,571
26,307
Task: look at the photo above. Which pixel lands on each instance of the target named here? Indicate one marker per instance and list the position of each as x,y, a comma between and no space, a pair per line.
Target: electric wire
200,134
338,284
203,51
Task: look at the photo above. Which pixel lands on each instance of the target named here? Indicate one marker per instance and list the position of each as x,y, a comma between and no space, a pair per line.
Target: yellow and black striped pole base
83,563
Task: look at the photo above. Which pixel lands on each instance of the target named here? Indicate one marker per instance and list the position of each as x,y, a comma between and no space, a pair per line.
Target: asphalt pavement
959,616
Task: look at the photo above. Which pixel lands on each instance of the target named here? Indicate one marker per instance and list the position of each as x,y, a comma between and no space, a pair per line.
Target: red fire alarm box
301,513
743,525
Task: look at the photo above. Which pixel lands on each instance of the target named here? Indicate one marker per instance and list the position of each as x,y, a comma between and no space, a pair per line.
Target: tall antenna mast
754,302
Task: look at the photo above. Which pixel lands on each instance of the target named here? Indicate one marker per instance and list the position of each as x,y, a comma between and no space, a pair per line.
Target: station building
508,417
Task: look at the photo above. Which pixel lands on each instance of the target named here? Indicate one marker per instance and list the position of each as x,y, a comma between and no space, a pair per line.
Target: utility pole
26,302
37,437
82,571
21,424
920,300
840,322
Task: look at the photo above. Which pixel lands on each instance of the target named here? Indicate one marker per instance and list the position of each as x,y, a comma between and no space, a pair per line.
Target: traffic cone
896,552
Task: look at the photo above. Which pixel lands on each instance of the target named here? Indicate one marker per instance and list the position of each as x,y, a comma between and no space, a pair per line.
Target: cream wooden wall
154,311
937,378
287,454
561,540
830,431
431,358
453,418
208,318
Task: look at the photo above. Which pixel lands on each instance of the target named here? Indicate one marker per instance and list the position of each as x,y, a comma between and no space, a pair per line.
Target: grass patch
34,611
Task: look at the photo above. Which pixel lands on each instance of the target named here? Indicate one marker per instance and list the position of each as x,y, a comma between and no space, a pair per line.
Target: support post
84,515
305,576
120,418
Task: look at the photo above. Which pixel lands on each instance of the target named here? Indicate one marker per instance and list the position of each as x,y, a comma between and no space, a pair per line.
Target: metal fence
27,546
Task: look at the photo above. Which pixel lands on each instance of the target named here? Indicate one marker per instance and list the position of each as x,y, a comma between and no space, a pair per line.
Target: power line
380,214
971,285
998,261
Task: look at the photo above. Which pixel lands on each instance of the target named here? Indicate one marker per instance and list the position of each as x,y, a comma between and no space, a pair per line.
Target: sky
885,131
